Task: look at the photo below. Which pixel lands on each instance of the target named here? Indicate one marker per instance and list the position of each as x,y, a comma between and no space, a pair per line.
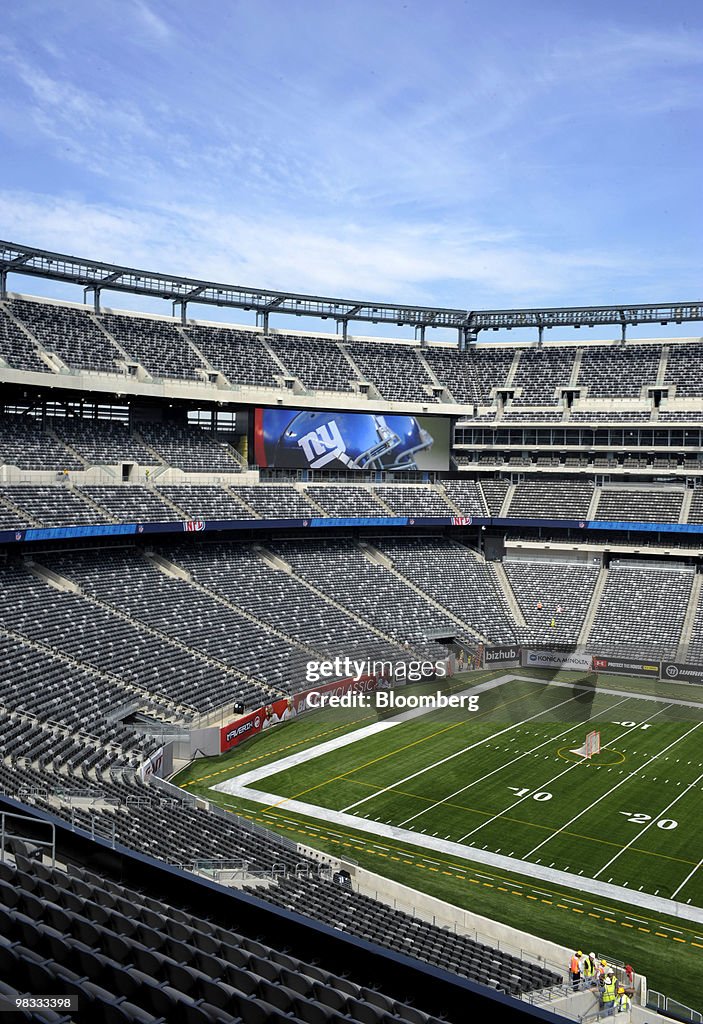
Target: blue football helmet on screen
316,440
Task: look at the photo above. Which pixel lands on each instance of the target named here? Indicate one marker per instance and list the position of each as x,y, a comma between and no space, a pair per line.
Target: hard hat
604,962
592,956
620,990
579,953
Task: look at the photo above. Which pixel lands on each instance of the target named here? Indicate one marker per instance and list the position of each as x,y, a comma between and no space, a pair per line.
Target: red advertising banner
282,710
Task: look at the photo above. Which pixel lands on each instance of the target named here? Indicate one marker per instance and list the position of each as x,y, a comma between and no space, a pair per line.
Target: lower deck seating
642,611
364,917
552,592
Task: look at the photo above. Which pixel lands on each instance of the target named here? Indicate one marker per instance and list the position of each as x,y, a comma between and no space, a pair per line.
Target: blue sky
473,155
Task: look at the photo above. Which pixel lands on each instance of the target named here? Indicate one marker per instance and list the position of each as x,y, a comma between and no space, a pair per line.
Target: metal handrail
5,835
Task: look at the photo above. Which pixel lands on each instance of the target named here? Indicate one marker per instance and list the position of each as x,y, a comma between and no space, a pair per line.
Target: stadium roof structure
94,277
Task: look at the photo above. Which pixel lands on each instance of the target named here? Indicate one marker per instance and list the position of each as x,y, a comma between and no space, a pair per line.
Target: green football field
504,781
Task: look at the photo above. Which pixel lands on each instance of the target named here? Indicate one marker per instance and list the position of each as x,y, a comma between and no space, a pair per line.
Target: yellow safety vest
609,991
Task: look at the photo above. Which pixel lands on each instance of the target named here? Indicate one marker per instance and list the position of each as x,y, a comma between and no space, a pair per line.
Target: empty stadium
524,515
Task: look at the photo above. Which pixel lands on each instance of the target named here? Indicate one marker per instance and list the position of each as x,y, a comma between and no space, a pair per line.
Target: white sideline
238,786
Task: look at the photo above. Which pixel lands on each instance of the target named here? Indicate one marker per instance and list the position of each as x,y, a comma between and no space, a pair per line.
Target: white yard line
687,879
622,782
458,753
652,822
438,803
554,778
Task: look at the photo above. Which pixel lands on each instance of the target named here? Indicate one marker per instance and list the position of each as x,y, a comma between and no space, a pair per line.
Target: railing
50,844
672,1007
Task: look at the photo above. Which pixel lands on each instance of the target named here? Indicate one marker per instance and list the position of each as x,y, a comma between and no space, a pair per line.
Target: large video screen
298,439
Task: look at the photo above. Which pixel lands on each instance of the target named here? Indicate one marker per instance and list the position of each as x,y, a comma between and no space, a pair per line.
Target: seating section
470,376
684,368
410,500
695,512
240,355
319,363
537,499
128,583
641,611
125,659
130,956
102,443
396,371
276,501
340,501
239,574
349,911
58,505
646,505
494,492
71,333
16,348
23,443
205,502
451,575
402,614
695,646
134,504
158,345
466,496
557,592
619,371
540,372
188,448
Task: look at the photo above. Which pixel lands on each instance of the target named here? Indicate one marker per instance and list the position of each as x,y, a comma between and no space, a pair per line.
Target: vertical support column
3,284
420,333
262,320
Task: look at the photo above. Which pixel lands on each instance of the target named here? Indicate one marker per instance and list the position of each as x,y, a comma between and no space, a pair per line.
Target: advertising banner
299,439
681,673
290,707
625,666
153,766
570,660
255,722
501,655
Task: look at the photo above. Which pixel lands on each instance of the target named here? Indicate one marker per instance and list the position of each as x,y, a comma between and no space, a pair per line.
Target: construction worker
601,969
608,996
622,1001
629,980
575,970
588,970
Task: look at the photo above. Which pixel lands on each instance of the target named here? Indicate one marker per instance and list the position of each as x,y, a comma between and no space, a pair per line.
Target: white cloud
425,263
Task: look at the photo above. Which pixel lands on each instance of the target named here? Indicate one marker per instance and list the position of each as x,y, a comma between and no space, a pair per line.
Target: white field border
242,786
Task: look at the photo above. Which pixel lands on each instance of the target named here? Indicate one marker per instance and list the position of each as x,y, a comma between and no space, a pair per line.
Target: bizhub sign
491,655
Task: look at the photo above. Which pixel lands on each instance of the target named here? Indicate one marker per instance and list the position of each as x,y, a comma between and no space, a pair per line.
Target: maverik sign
491,655
557,659
682,673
